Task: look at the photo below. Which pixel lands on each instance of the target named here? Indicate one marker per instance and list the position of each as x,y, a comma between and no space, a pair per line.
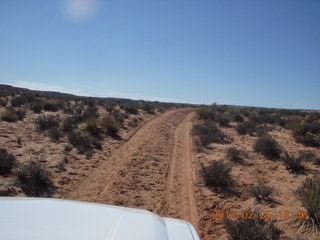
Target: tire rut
152,170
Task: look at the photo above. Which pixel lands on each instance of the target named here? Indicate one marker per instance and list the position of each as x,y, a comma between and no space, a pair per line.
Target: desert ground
156,159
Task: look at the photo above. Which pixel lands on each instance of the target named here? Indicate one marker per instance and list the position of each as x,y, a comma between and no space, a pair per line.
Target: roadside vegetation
251,138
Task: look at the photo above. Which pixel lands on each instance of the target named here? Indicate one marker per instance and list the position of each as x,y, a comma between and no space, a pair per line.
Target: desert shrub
7,161
245,127
36,107
51,105
3,102
252,229
92,126
260,191
90,112
61,165
35,179
118,116
308,139
17,101
223,120
238,118
267,118
293,163
261,130
295,124
44,122
309,195
209,133
235,155
68,109
9,115
54,133
217,175
110,125
267,146
67,148
148,108
81,142
20,113
307,155
311,126
70,124
316,161
206,113
131,108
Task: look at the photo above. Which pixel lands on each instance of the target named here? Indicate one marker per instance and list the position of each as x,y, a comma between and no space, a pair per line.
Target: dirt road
152,170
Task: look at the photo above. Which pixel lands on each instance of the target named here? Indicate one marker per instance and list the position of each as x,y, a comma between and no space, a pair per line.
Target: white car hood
53,219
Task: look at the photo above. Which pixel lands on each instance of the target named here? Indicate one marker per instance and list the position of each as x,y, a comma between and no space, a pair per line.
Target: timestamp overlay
262,214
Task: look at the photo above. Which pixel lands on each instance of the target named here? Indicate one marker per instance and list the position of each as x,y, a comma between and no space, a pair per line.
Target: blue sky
257,52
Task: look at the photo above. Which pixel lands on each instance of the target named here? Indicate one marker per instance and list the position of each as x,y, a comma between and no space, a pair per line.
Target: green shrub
51,105
309,195
217,175
110,126
92,126
7,161
267,146
252,229
206,113
260,191
34,179
9,115
44,122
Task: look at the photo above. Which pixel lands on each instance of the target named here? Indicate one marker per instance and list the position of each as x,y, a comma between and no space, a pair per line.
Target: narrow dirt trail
152,170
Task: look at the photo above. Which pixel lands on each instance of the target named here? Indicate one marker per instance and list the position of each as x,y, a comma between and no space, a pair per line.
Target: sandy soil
256,169
155,167
152,170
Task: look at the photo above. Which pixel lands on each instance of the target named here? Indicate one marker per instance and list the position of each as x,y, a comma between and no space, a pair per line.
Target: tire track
180,199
